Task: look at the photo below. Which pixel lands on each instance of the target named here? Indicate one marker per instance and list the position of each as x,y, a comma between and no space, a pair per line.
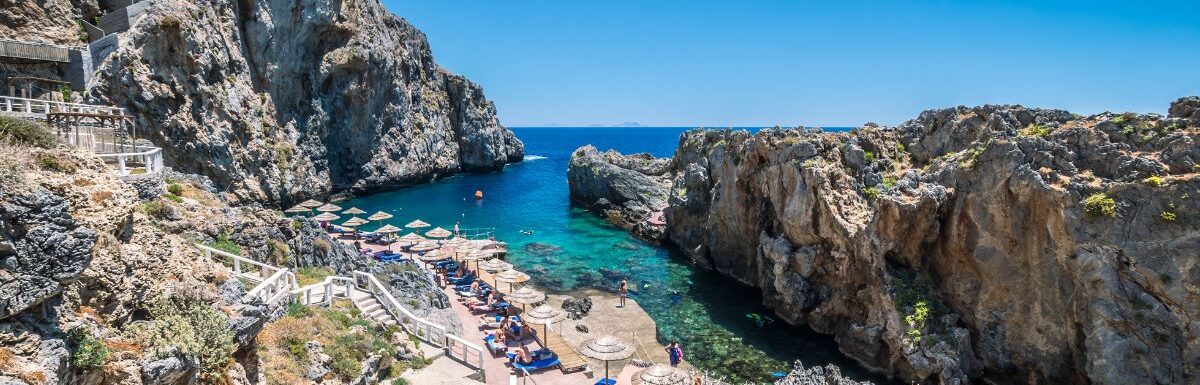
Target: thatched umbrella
438,232
511,277
543,315
411,238
298,209
424,246
416,224
494,265
432,256
388,229
606,348
326,217
660,374
354,211
525,296
311,203
379,216
329,207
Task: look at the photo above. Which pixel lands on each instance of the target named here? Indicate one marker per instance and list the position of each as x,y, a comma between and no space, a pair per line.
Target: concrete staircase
372,309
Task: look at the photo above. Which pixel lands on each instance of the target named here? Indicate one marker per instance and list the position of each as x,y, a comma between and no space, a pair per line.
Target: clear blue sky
836,63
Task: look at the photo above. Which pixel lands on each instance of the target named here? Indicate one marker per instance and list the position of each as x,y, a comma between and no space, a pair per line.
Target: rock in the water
629,190
817,375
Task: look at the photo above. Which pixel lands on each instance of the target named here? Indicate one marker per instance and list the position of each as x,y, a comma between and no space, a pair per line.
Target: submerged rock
911,244
542,249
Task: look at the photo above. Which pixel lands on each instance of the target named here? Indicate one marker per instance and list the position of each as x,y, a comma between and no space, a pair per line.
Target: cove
722,325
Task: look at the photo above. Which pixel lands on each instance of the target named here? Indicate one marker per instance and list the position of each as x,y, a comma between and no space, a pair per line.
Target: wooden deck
34,51
569,359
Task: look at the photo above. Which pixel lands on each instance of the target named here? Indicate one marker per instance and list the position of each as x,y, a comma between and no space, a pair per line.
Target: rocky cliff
280,100
1001,243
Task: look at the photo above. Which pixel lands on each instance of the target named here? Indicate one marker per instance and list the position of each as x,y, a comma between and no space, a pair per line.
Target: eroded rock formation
279,100
998,242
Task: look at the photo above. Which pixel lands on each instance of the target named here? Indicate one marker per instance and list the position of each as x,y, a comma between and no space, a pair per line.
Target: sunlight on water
565,248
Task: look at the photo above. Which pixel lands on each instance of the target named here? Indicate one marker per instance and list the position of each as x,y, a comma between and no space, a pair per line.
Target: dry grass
101,196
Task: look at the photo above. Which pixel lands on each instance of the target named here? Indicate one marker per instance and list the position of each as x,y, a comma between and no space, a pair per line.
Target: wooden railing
15,105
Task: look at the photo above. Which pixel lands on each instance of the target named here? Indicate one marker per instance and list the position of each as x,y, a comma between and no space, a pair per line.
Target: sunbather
523,356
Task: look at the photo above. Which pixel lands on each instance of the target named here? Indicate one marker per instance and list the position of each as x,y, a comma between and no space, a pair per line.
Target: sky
789,63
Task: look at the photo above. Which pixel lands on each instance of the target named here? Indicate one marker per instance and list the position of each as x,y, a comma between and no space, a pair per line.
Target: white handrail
25,105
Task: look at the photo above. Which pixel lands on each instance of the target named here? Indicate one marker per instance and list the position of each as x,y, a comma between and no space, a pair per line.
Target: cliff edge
1001,243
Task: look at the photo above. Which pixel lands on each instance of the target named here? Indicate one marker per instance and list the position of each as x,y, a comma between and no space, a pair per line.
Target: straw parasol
297,209
379,216
326,217
424,246
606,348
354,222
456,242
329,207
511,277
660,374
525,296
494,265
432,256
388,229
411,238
311,203
543,315
416,224
354,211
438,232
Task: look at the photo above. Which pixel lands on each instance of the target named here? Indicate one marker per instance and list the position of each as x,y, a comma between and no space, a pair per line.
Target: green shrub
295,345
173,197
309,275
420,362
920,312
87,350
1035,130
175,188
158,209
869,155
871,193
189,325
224,244
278,252
21,131
1100,205
54,163
297,310
1155,181
1168,216
889,182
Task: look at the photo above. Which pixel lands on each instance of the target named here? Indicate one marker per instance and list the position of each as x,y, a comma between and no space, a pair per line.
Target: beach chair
494,347
536,366
461,281
607,381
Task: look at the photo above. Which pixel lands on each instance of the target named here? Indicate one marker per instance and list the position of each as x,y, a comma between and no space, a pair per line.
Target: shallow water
722,326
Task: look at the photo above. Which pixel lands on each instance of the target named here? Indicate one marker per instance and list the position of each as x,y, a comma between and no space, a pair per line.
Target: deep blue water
566,248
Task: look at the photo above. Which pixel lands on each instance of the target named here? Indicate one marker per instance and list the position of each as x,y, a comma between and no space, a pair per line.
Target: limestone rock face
46,21
997,243
625,189
42,248
279,100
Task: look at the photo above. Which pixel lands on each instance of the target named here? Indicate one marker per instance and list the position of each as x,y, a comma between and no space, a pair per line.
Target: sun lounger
607,381
536,366
494,347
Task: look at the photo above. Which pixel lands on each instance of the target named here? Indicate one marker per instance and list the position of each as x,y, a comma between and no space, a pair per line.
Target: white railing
429,332
151,162
328,290
478,233
273,283
15,105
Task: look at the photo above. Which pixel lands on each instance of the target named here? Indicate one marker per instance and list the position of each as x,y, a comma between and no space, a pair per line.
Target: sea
721,325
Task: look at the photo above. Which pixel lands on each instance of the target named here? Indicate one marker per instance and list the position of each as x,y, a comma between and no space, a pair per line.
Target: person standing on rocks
623,291
675,352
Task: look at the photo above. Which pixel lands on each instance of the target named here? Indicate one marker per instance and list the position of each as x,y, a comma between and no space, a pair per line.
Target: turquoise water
565,248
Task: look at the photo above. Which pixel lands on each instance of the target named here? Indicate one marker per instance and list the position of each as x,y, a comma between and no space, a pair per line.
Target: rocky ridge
996,243
277,101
